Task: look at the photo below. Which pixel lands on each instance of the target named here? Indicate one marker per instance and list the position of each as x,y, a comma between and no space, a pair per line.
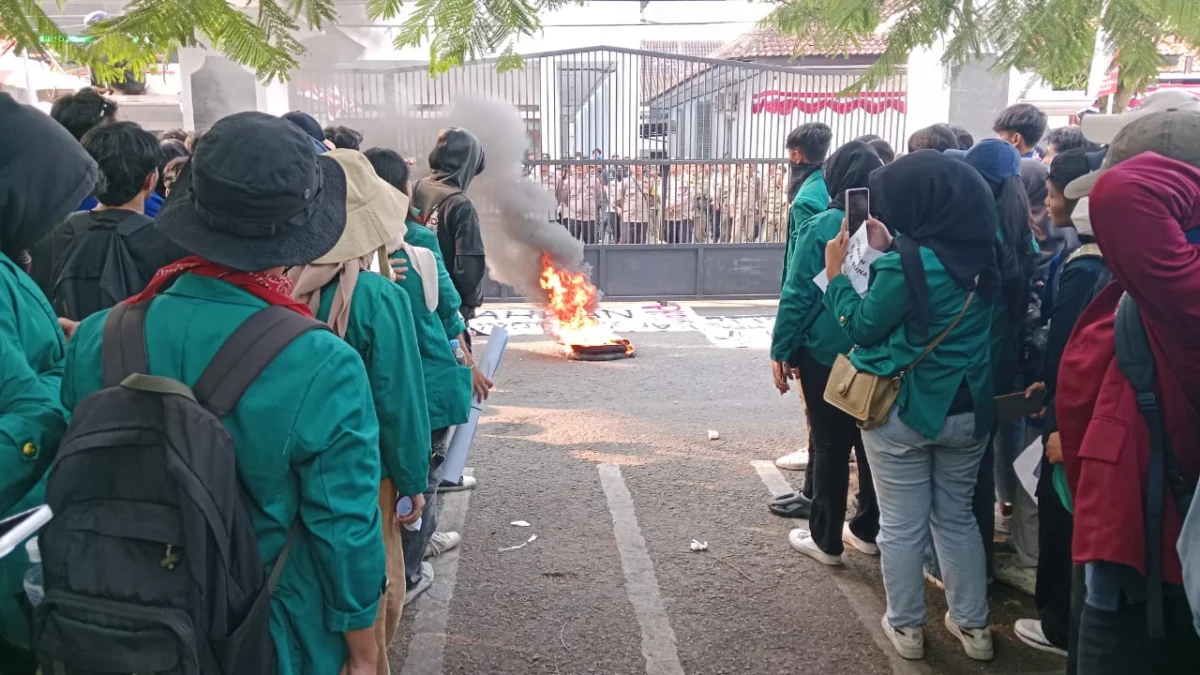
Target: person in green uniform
935,285
807,146
375,317
448,385
805,327
44,174
254,200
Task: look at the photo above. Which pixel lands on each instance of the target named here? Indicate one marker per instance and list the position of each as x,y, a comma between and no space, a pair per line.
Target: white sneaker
909,642
796,461
442,542
862,545
423,585
465,483
801,540
1023,579
1030,632
976,642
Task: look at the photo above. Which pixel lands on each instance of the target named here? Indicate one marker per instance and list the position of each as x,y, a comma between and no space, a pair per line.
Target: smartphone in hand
858,208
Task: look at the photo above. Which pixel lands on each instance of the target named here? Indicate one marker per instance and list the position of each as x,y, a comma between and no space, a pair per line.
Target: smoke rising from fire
514,211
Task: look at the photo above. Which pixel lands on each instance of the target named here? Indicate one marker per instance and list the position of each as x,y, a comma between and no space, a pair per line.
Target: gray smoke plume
514,211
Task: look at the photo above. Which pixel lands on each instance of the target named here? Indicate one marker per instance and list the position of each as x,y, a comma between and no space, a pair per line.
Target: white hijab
424,263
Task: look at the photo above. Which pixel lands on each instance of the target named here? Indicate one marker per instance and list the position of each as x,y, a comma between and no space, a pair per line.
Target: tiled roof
660,74
762,43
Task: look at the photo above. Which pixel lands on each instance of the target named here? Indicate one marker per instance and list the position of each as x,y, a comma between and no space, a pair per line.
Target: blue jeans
926,486
984,506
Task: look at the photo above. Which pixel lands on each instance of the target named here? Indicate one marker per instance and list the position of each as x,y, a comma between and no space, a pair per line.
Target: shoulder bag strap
1136,361
277,568
941,336
123,343
247,353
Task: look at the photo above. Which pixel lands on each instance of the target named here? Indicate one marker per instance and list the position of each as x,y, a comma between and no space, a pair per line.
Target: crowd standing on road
233,364
1017,296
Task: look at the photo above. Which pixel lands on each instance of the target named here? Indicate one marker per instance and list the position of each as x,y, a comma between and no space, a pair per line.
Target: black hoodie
443,206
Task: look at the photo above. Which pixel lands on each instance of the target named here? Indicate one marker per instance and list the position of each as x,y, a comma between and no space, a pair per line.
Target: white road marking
658,639
860,595
428,642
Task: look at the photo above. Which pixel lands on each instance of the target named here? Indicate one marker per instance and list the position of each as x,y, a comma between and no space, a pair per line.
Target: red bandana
276,289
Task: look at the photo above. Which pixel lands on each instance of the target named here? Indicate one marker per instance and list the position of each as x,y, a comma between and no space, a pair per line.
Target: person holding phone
936,286
806,327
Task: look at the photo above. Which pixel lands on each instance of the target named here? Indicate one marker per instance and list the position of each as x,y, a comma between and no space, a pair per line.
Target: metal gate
699,143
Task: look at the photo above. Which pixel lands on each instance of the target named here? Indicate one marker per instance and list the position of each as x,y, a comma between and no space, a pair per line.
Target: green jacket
811,199
448,298
447,384
32,420
307,442
888,343
381,330
802,320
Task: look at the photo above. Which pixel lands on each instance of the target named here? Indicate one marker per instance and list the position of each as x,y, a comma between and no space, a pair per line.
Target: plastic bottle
404,506
33,575
459,354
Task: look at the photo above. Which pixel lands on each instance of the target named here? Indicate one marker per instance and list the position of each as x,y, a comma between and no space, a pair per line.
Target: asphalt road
612,465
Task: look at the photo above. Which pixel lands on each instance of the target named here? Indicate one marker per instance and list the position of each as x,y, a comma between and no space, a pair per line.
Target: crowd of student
265,278
1008,268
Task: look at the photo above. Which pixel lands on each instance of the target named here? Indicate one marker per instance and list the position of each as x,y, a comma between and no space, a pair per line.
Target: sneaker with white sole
932,578
796,461
976,642
464,483
801,540
423,585
1030,632
442,542
909,642
864,546
1023,579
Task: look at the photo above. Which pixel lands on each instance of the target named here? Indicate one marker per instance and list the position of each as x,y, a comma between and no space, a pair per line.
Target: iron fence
690,149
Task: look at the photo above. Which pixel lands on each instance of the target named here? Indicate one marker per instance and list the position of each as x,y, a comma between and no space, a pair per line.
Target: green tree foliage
1053,38
262,33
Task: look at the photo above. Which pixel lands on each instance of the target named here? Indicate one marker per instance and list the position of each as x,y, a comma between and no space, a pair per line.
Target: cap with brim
256,196
1173,133
375,211
1102,129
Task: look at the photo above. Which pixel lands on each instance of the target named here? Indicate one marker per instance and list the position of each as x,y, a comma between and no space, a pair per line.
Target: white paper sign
1027,465
859,257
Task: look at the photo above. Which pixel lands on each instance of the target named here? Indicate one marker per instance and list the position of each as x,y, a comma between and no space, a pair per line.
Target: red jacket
1140,210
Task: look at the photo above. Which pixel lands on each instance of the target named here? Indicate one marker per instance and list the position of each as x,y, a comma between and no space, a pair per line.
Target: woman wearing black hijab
809,338
44,173
939,276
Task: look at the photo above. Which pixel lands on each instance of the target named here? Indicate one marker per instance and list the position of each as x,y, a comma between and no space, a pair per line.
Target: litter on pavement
519,523
529,541
699,546
713,435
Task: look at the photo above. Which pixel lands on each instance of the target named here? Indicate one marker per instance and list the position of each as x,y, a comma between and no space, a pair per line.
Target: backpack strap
1136,361
277,568
247,353
123,344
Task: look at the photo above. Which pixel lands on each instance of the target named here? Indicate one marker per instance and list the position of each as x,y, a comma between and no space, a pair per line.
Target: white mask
1081,218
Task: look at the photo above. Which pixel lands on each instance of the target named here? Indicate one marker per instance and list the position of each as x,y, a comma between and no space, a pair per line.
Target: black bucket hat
256,195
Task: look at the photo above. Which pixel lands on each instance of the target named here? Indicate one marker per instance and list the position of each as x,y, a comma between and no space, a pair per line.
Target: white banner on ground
739,332
650,318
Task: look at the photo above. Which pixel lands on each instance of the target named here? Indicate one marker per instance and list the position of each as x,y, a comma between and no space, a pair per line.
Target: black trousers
832,435
1055,527
1117,643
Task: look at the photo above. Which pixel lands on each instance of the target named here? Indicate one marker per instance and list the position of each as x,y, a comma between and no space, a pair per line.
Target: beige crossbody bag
869,398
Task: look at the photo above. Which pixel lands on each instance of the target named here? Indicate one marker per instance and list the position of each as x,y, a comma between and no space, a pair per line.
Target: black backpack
99,271
151,564
1136,361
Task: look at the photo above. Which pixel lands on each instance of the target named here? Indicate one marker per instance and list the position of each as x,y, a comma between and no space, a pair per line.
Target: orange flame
570,300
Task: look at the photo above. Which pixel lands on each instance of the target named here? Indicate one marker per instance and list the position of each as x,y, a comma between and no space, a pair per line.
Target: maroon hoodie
1140,210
